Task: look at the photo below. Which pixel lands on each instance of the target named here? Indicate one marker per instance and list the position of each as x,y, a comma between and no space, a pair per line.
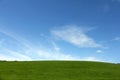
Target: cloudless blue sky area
60,30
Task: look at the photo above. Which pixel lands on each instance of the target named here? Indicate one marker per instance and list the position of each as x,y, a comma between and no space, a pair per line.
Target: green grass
59,70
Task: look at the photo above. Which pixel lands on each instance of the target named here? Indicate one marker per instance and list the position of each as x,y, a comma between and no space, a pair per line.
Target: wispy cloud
106,8
19,56
56,48
76,35
115,0
99,51
116,39
14,56
25,50
5,57
50,55
1,42
91,59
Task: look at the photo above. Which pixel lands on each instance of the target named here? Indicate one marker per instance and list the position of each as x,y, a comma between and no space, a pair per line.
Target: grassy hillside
59,70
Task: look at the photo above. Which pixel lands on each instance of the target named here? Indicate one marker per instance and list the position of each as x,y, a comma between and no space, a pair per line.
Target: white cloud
19,56
10,55
11,58
5,57
56,48
115,0
99,51
1,42
106,8
91,59
75,35
50,55
27,51
116,39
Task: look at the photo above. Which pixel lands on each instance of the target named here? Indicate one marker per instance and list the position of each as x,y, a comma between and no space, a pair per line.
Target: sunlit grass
59,70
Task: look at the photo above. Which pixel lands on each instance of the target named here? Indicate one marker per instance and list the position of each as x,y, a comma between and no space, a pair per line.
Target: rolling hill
58,70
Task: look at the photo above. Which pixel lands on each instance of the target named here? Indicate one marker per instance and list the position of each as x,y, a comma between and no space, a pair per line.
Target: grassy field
59,70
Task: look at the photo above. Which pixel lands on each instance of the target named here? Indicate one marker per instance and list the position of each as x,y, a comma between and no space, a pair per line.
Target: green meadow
58,70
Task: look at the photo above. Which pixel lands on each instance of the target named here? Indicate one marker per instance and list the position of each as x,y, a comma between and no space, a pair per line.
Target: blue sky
60,30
